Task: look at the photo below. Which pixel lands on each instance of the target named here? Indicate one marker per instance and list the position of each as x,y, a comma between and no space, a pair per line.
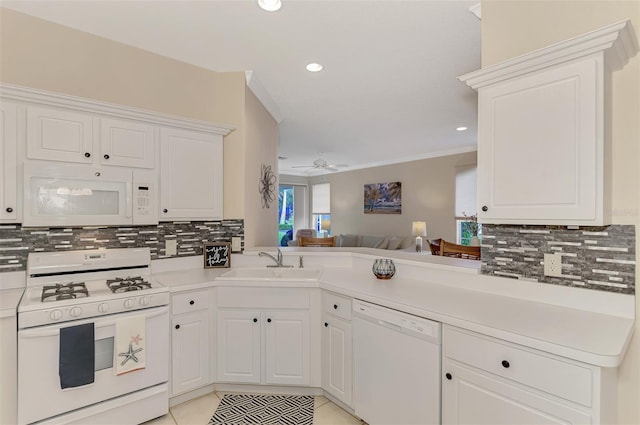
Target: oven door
39,392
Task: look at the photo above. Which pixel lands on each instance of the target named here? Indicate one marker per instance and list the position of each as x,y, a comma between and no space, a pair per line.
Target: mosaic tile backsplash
16,242
600,258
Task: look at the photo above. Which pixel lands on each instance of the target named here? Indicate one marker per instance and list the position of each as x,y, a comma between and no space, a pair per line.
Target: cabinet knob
448,376
335,306
177,326
87,155
326,325
505,364
269,320
165,210
9,210
106,156
192,302
485,208
255,320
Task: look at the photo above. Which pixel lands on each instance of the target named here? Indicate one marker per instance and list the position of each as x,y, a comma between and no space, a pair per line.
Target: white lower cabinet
190,341
490,381
263,345
337,347
9,375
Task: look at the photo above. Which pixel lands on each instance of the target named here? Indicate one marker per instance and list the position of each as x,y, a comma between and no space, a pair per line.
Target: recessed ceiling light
270,5
314,67
461,128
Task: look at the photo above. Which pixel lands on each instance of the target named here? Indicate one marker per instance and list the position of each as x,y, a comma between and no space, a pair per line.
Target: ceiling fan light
270,5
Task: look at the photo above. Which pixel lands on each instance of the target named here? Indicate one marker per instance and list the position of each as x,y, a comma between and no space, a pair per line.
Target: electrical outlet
236,244
553,264
171,247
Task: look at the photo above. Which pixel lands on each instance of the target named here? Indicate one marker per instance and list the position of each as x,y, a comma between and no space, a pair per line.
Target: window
466,217
293,211
321,208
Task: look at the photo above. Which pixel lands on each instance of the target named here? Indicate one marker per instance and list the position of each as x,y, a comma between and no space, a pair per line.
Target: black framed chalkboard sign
217,255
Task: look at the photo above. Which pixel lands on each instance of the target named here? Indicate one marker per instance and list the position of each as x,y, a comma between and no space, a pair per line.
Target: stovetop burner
126,284
64,291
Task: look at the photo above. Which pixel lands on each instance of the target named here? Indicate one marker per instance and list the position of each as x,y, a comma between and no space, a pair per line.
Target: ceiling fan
321,164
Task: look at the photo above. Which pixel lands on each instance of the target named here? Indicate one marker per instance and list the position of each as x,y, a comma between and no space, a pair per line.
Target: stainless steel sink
268,274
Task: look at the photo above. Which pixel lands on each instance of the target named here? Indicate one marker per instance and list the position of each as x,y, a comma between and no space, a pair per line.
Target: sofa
379,242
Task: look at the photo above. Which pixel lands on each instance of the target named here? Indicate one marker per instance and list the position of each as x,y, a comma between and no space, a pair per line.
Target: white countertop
9,299
591,337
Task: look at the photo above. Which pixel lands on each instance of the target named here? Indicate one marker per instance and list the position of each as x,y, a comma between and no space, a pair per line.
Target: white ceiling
388,92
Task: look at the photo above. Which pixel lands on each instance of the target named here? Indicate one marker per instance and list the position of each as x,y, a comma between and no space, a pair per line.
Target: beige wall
261,225
512,28
47,56
428,194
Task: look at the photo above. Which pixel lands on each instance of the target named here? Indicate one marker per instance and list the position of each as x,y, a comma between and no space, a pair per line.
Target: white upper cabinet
59,135
127,143
8,163
541,131
55,134
190,175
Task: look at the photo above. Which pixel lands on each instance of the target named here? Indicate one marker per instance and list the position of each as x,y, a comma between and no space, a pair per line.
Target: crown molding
28,94
617,42
263,95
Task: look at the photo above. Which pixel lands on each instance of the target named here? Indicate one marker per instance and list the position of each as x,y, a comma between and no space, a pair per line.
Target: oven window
104,353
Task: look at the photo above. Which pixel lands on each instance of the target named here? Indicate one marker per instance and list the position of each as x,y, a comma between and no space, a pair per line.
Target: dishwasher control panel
399,320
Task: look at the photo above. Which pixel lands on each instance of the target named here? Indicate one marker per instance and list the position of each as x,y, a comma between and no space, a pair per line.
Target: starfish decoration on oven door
136,339
130,355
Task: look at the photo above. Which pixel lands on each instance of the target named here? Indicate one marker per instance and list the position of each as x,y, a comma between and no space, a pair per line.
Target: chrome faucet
278,260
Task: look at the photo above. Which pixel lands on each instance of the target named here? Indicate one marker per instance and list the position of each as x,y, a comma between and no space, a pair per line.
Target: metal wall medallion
267,186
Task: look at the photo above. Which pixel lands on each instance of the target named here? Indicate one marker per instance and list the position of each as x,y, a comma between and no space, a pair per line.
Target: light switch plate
236,244
171,247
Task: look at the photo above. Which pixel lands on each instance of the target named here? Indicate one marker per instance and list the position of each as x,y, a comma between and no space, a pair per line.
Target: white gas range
93,338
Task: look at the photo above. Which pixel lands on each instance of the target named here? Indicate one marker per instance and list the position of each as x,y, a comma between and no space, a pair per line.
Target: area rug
249,409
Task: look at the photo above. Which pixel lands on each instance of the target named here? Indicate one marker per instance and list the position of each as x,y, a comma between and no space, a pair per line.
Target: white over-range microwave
70,195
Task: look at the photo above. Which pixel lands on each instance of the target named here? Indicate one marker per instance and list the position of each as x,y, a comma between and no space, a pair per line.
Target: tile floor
199,410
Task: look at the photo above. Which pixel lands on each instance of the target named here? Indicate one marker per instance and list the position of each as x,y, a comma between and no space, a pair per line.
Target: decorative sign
217,255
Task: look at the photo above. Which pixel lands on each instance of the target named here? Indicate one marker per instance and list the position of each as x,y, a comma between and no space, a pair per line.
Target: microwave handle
129,201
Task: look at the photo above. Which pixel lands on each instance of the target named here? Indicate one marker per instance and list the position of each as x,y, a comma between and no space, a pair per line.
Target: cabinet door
127,143
287,347
238,346
190,352
540,147
337,359
474,397
8,162
59,135
190,175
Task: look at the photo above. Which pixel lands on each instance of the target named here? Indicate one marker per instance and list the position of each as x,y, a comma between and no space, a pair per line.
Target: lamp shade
419,228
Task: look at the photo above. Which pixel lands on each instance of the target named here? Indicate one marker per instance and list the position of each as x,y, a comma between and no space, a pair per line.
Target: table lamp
419,229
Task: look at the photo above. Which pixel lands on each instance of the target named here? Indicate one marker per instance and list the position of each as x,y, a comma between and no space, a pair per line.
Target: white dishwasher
396,359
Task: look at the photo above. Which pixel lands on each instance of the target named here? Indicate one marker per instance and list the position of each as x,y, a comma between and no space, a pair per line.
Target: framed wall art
383,198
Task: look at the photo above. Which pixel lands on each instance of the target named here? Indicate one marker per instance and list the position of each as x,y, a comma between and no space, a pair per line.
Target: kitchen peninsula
582,338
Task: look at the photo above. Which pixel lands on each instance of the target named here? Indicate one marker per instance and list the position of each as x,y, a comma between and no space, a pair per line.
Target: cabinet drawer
538,370
287,298
190,301
336,305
